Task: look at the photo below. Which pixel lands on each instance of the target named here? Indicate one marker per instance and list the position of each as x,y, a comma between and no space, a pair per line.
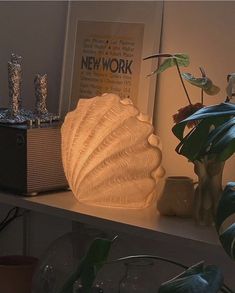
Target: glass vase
61,259
138,277
208,190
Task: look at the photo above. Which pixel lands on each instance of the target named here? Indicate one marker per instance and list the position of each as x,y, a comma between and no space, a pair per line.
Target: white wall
204,30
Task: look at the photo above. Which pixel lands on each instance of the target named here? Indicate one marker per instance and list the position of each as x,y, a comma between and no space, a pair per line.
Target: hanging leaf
89,265
181,59
226,208
194,280
202,82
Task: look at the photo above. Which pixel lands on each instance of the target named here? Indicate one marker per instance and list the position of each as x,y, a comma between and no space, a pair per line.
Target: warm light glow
110,155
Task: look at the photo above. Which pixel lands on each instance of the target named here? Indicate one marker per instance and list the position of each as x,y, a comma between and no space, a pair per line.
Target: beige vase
177,196
16,273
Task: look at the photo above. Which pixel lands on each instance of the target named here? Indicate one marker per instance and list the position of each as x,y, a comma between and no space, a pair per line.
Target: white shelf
146,222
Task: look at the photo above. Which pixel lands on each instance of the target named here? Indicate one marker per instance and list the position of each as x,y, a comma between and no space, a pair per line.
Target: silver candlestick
14,83
41,112
15,114
40,85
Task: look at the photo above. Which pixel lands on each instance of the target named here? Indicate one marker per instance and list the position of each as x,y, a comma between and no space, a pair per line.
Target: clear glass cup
139,277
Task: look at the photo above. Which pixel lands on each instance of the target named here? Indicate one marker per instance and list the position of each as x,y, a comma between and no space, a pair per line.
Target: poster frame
147,12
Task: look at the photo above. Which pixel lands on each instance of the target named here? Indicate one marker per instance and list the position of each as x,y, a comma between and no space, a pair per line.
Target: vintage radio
30,158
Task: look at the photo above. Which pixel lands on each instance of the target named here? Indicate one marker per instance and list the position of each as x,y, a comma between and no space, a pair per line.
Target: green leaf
227,239
191,145
194,280
158,55
223,109
195,144
221,140
93,262
202,140
225,146
219,132
228,151
226,208
89,265
214,277
190,284
202,82
181,59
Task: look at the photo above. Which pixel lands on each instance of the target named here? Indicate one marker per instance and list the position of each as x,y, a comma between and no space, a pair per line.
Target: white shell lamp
110,155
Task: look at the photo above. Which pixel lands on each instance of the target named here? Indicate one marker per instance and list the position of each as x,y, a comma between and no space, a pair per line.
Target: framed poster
107,60
105,44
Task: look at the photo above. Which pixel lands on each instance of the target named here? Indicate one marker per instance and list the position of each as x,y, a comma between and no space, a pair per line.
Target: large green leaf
226,208
221,140
89,265
227,239
191,145
195,145
223,109
171,59
212,134
219,132
196,279
202,82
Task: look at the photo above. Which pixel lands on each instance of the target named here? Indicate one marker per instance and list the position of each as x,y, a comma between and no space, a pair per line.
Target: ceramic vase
209,189
16,273
176,198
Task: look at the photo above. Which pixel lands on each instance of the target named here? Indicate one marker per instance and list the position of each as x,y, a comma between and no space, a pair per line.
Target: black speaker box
30,158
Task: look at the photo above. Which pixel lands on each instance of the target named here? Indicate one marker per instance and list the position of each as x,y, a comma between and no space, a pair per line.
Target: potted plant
206,135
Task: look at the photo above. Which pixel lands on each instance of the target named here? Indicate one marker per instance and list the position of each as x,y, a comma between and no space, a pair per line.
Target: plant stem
223,290
202,96
202,92
227,288
182,82
148,256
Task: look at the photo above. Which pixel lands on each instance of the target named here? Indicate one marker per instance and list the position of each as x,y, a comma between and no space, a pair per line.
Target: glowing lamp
110,155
